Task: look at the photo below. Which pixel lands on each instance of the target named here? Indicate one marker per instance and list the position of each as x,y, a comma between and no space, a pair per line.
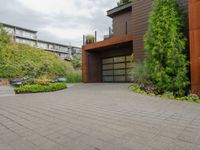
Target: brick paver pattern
97,117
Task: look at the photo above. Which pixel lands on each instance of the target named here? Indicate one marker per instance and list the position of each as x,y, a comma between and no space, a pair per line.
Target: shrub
74,77
19,60
192,97
90,39
36,88
77,62
43,80
140,74
165,44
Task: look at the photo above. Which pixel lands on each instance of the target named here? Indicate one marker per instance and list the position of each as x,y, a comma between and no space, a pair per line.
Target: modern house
29,37
109,60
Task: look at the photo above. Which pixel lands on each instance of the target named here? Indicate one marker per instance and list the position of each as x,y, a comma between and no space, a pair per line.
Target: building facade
110,60
29,37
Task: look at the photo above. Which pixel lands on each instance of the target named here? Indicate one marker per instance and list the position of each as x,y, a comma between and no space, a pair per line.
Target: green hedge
36,88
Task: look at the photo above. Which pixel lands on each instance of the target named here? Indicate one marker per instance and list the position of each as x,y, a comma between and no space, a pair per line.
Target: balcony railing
94,39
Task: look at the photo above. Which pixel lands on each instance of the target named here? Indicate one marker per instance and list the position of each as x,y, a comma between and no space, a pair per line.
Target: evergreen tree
165,44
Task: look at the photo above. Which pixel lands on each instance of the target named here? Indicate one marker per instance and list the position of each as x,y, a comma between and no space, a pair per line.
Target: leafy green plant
77,62
181,98
43,80
90,39
36,88
192,97
167,95
165,44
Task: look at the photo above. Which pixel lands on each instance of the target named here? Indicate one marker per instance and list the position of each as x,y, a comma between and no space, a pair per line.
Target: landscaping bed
37,88
153,92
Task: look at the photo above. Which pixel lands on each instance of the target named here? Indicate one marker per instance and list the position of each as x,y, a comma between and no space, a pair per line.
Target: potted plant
90,39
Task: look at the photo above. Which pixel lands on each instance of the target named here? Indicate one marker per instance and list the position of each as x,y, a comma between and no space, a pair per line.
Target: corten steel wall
140,13
94,65
194,22
119,23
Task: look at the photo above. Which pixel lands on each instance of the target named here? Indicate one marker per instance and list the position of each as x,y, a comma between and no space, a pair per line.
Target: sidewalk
6,91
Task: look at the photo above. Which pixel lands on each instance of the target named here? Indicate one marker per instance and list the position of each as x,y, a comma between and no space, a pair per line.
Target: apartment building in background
29,37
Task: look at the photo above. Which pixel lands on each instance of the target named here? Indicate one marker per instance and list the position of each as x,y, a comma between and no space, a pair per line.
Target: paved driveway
97,117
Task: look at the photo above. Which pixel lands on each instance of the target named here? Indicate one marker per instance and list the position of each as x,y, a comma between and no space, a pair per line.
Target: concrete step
6,91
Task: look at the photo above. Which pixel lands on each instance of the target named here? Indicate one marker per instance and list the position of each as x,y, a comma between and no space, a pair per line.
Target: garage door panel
107,60
119,66
119,59
119,78
116,69
108,73
107,67
108,79
120,72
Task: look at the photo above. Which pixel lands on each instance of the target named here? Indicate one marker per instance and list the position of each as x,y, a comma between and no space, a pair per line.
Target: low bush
36,88
43,80
140,74
193,97
74,77
190,98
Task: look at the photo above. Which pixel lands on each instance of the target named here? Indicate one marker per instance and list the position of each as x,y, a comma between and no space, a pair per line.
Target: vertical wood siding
119,24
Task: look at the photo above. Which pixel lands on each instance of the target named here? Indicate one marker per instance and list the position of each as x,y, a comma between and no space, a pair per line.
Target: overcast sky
63,21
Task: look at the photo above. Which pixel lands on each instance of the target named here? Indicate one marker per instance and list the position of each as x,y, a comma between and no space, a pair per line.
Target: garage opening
117,69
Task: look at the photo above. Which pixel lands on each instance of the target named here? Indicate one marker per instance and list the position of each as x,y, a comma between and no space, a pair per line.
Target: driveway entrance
97,117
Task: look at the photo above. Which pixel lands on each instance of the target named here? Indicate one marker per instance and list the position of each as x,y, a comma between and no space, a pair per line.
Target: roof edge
112,12
22,28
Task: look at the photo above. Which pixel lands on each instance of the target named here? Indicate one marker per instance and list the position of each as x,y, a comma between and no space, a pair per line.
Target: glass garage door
116,69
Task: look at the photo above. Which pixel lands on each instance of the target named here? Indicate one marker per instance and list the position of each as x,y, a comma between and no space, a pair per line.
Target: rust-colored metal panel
194,23
84,65
109,42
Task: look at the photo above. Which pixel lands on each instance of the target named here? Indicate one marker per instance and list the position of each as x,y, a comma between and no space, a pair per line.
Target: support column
194,29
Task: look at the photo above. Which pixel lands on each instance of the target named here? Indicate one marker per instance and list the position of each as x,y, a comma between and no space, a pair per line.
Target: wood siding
140,15
119,24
